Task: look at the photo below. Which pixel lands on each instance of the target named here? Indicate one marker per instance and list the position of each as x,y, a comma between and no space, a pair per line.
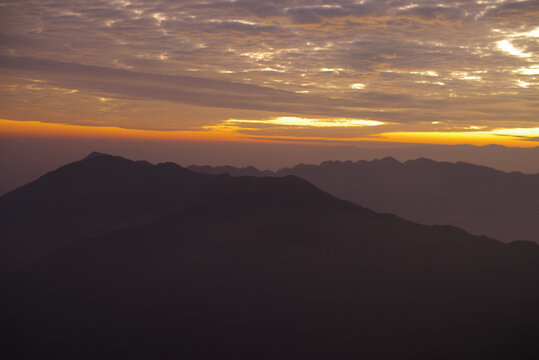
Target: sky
335,71
274,74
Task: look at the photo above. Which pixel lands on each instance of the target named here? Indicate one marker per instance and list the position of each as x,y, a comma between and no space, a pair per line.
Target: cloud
315,14
188,89
267,57
433,12
514,13
180,89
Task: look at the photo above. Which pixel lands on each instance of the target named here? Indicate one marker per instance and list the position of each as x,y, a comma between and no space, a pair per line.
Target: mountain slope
275,268
89,198
478,199
230,170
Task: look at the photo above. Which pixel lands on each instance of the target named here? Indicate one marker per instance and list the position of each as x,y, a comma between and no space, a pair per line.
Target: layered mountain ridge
479,199
272,267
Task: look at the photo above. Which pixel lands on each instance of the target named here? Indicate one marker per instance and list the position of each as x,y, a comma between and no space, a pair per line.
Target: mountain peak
386,161
95,154
390,159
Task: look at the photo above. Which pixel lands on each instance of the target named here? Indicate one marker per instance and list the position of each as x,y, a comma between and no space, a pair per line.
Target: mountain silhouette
478,199
89,198
273,268
231,170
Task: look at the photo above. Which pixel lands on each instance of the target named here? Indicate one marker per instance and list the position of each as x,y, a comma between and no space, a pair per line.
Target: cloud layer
414,65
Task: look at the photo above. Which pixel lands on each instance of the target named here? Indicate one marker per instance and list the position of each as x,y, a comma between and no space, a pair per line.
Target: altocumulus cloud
417,62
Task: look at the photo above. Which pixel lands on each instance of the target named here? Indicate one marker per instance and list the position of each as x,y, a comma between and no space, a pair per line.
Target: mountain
274,268
89,198
478,199
230,170
35,156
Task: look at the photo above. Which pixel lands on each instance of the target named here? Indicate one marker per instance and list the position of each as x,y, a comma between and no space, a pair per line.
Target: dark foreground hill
273,268
89,198
478,199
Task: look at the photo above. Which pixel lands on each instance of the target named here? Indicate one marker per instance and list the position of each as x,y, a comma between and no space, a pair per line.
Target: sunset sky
448,72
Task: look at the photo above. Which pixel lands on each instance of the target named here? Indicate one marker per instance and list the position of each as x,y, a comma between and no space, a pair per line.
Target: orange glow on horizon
30,129
478,138
38,129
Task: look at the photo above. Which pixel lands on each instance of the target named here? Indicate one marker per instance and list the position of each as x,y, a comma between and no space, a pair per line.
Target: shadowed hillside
478,199
89,198
274,268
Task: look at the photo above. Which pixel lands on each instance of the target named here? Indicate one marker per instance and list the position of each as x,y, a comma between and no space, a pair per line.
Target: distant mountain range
35,156
132,260
478,199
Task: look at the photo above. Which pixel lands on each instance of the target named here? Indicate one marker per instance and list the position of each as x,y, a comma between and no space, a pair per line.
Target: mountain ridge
94,196
262,267
90,197
482,200
254,171
276,268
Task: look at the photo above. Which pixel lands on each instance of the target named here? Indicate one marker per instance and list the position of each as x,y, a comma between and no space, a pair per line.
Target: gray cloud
184,89
315,14
416,63
434,12
522,12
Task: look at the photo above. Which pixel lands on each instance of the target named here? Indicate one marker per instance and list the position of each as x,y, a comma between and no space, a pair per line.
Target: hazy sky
321,70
